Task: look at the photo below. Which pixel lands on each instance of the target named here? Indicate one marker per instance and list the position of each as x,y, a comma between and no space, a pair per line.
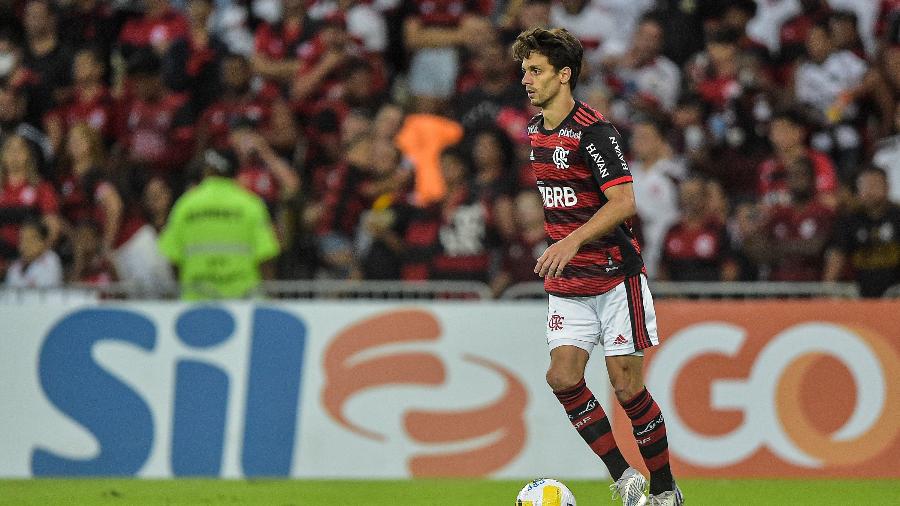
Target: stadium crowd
387,137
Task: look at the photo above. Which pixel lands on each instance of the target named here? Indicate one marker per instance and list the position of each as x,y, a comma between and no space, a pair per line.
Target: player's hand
556,257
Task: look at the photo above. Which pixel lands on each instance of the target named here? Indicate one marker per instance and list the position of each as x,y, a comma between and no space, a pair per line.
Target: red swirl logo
501,423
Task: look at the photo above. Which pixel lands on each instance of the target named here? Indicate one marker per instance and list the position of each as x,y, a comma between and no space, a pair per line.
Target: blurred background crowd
387,137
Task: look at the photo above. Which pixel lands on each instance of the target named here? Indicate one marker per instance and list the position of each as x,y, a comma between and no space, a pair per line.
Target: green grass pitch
90,492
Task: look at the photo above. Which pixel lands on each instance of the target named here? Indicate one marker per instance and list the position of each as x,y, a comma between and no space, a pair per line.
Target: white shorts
622,320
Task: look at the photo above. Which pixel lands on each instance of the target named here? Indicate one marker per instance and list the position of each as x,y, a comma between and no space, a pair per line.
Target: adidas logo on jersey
620,340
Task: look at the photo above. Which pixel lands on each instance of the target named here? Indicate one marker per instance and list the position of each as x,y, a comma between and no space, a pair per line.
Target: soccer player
593,269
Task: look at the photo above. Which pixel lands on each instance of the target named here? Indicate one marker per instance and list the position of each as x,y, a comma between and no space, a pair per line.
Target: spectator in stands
731,85
341,203
829,80
156,127
239,103
157,202
381,248
364,21
697,247
356,97
422,138
684,24
642,77
46,59
88,193
495,180
14,120
736,15
604,27
280,45
794,31
490,94
37,266
656,173
218,234
90,103
379,241
433,33
788,135
794,234
867,240
157,28
197,57
321,64
261,170
453,237
24,195
89,263
520,253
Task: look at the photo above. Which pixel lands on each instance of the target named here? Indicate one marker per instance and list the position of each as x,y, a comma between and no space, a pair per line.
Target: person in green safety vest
218,234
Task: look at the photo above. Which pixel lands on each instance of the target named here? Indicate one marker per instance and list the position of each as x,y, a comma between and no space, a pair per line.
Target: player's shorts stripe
639,310
636,312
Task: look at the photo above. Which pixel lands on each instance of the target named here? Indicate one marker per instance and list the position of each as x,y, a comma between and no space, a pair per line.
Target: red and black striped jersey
574,164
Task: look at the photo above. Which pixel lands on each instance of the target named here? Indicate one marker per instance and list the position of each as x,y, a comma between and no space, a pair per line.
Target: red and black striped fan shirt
574,164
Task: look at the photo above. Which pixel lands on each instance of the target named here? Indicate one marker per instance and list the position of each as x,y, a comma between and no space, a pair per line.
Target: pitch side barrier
394,389
434,290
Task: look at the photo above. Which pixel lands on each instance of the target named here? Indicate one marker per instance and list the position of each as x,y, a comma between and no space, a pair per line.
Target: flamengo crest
560,158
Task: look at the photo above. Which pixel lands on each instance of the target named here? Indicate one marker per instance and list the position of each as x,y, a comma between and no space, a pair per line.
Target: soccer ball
545,492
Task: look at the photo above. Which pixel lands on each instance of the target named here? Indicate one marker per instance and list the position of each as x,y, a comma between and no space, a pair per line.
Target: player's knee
626,387
560,378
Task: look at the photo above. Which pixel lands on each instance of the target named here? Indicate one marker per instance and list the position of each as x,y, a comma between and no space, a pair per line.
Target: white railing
716,290
435,290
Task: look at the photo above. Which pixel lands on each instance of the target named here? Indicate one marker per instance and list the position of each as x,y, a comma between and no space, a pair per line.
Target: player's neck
556,111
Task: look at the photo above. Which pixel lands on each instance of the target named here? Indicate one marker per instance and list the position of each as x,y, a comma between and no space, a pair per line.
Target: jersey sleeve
602,150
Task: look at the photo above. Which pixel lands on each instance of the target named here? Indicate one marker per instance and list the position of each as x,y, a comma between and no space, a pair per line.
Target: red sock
589,419
650,433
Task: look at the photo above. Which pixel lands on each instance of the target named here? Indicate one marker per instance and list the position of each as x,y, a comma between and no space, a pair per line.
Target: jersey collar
561,123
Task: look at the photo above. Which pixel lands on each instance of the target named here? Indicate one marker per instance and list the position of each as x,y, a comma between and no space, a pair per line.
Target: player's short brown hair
560,47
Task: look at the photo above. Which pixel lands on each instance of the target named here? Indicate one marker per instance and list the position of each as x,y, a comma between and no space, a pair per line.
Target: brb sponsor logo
796,399
125,421
558,196
374,354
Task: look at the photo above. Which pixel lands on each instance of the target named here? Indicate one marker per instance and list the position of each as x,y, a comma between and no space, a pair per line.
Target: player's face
541,80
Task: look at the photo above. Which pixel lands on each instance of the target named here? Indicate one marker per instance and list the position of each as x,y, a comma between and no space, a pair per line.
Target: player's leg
629,328
572,331
646,418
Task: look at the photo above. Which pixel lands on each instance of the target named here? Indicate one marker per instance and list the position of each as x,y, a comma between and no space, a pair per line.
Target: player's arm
601,148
